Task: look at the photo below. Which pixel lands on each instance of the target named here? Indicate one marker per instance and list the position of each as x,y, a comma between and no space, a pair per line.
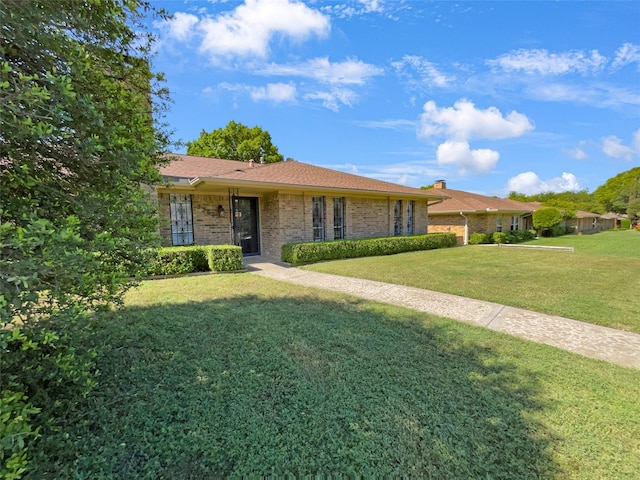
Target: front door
245,224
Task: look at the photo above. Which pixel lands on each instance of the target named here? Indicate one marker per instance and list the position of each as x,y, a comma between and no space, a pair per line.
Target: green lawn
237,375
598,283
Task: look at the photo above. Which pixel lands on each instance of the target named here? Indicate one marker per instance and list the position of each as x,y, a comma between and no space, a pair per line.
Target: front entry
245,225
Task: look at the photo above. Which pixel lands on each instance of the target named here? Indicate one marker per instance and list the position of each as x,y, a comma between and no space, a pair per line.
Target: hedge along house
261,207
464,213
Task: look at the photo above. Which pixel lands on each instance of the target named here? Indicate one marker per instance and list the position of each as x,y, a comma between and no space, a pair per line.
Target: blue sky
491,96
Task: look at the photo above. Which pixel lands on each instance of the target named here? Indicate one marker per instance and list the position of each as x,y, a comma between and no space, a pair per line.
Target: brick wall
286,218
208,227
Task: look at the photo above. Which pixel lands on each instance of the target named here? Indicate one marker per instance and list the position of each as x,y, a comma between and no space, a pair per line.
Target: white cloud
576,153
540,61
529,183
612,147
428,74
597,95
467,161
626,54
371,5
464,121
390,124
349,72
335,98
247,30
181,26
275,92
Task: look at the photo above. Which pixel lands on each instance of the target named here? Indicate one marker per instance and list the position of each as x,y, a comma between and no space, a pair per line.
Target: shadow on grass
264,386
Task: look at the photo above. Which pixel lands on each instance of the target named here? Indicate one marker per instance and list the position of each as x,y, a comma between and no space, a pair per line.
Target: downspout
466,229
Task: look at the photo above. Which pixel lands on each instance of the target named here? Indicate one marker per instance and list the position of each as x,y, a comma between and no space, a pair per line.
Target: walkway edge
594,341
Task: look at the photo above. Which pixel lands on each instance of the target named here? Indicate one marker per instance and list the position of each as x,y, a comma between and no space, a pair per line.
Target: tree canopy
565,201
80,135
546,218
79,138
236,142
621,194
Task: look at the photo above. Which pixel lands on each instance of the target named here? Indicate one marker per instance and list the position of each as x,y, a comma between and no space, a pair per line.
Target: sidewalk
615,346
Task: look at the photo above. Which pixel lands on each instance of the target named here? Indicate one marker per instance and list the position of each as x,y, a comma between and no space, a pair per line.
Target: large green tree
79,139
236,142
621,194
544,219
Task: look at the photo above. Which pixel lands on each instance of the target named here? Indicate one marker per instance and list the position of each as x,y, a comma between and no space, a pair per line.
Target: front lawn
598,283
238,375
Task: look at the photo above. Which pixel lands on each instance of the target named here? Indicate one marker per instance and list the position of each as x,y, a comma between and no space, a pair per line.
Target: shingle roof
291,173
467,202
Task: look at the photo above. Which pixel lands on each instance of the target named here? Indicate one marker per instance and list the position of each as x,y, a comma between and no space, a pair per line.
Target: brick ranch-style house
464,213
260,207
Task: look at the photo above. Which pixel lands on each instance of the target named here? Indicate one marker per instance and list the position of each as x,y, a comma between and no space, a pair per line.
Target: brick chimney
440,184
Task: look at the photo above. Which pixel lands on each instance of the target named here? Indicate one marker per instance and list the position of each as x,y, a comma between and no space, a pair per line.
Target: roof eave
196,182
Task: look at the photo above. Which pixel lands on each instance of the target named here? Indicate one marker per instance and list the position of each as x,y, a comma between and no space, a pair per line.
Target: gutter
194,183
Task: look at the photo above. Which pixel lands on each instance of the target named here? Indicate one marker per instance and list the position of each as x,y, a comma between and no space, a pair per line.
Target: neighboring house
465,213
612,220
586,222
264,206
583,221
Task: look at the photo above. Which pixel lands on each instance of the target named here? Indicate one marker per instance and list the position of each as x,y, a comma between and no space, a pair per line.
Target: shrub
625,224
480,238
191,259
45,377
224,258
178,260
15,432
518,236
337,249
502,237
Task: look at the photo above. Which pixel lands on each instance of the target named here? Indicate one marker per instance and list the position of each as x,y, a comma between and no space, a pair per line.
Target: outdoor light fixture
221,211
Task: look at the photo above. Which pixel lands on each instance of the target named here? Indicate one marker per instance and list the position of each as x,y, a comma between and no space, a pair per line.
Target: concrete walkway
615,346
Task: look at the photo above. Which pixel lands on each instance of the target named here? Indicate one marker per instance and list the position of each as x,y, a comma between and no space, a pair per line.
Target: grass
238,375
598,283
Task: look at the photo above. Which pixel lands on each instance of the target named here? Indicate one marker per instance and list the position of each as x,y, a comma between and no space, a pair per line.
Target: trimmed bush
308,252
224,258
196,258
625,224
178,260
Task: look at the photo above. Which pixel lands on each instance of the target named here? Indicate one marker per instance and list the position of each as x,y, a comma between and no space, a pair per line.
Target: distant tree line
619,194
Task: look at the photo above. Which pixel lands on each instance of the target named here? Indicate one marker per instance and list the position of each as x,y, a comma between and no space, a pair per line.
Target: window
515,222
410,221
181,219
318,218
338,218
499,223
397,218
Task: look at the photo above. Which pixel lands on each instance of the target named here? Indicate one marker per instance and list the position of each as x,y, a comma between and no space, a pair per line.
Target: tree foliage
80,135
569,202
236,142
620,194
78,141
546,218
